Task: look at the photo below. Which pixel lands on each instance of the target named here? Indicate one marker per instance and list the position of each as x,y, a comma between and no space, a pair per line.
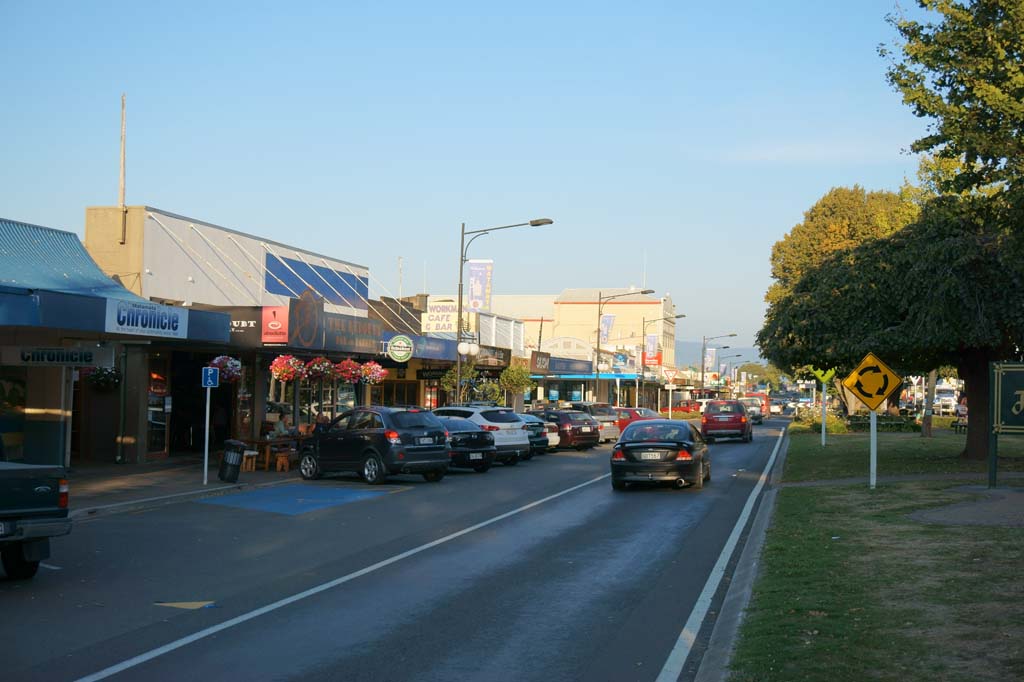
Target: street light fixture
601,300
704,350
643,345
463,247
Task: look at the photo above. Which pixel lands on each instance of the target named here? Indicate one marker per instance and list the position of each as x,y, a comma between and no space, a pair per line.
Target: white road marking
52,568
238,620
677,658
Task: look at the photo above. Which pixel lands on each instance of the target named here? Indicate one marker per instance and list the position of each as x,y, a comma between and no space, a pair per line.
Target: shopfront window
395,393
13,382
157,404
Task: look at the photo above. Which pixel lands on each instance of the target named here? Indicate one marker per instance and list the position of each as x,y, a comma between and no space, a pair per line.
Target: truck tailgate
28,490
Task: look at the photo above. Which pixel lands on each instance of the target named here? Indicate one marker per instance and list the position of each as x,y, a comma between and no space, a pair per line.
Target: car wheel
433,476
309,467
373,469
527,457
707,471
618,485
709,439
511,461
15,564
481,468
699,483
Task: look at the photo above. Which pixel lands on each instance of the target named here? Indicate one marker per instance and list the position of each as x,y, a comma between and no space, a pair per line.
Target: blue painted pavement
293,499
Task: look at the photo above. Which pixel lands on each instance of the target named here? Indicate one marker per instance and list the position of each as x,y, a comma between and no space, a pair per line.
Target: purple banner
606,327
479,297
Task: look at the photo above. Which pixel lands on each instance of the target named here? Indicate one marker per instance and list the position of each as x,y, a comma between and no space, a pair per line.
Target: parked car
538,433
509,431
554,439
660,450
469,445
605,416
726,419
777,406
575,429
33,509
753,406
376,442
688,406
631,414
702,403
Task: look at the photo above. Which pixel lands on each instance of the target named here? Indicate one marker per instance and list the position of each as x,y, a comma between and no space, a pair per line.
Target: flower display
320,368
373,373
230,368
348,371
287,368
104,378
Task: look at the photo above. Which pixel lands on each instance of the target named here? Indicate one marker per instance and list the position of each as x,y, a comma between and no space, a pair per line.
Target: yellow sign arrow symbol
188,605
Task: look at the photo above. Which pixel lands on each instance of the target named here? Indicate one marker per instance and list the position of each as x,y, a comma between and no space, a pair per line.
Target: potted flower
104,378
230,368
319,368
288,368
373,373
349,371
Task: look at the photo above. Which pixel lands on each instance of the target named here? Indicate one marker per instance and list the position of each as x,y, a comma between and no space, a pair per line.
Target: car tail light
393,437
567,427
703,420
447,436
684,455
617,454
63,489
743,420
490,427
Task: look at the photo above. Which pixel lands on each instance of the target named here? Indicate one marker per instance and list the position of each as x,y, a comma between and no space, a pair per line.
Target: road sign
671,387
669,374
211,377
872,381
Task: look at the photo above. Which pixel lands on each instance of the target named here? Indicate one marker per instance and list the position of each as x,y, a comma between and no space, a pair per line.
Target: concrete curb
714,665
87,513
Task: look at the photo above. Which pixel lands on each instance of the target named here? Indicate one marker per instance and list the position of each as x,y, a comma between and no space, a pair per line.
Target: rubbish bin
232,461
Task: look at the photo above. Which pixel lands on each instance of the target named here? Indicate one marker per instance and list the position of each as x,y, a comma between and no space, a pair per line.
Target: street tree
944,290
963,69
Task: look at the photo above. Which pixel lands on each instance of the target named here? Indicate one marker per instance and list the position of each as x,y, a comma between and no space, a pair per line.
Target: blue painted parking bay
293,499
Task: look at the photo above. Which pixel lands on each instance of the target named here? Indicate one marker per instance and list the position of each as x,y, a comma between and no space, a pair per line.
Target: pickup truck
33,509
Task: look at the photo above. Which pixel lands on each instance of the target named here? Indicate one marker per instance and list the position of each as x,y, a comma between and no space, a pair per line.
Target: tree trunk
929,402
973,369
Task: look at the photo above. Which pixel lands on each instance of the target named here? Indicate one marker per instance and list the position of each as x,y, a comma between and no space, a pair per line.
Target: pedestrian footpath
101,489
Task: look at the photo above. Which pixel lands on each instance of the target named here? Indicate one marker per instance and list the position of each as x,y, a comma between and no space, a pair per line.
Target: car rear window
500,416
455,424
644,412
640,431
415,420
723,408
602,411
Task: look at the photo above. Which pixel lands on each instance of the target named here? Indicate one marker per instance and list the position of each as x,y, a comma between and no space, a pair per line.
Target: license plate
425,440
6,528
650,455
476,455
585,429
723,419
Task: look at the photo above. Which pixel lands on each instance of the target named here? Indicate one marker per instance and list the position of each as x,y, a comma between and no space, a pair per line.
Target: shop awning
48,279
585,377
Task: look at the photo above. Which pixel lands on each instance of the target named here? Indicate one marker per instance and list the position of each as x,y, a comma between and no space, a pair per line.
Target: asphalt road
533,572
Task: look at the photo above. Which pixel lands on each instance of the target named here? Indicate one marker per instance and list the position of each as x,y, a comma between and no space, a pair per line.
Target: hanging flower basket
319,368
288,368
230,368
349,371
104,378
373,373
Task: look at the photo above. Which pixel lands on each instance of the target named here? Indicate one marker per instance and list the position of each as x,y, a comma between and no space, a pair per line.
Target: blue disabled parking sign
211,377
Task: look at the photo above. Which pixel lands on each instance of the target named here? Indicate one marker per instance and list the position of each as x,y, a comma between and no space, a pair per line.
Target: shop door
157,414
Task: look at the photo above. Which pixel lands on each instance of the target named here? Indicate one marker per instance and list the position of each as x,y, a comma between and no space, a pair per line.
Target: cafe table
265,446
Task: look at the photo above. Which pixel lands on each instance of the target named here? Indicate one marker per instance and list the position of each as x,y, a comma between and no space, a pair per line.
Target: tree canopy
965,72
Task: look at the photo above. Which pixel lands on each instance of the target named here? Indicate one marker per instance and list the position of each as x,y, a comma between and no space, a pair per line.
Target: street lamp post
463,246
643,345
601,300
703,352
728,370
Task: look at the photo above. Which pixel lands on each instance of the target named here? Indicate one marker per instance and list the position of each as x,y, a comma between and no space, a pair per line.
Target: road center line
677,657
238,620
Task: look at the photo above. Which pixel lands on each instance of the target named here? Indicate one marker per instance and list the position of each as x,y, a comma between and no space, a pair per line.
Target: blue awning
585,377
48,279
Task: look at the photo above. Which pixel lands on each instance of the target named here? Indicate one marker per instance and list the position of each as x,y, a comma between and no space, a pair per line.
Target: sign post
824,377
670,375
872,382
1006,408
211,379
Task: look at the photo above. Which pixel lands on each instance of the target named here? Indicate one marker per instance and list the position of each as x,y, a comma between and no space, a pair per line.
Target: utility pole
120,187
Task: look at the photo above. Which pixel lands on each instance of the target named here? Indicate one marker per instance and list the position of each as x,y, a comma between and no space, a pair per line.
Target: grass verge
852,589
848,455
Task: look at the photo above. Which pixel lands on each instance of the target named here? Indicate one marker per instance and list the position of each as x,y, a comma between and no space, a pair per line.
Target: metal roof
44,259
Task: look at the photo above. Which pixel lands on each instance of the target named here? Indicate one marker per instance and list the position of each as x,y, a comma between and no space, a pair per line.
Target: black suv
377,441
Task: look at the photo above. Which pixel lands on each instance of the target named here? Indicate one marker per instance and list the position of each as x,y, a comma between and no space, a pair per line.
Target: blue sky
687,136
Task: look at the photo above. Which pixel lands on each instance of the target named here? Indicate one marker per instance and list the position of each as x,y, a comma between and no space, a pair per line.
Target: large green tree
945,290
842,219
963,68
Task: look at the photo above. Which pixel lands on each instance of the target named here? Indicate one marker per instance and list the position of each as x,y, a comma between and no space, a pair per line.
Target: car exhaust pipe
679,483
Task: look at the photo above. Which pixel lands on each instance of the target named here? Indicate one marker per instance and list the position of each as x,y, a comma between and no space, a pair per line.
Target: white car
554,438
510,435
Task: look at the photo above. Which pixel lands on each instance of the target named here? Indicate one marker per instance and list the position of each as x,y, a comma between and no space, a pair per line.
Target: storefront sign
570,366
430,374
245,325
425,347
74,356
400,348
540,362
146,319
274,327
481,274
493,357
652,359
441,317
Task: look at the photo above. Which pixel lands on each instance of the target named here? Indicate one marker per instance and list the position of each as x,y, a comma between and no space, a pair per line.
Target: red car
631,414
726,419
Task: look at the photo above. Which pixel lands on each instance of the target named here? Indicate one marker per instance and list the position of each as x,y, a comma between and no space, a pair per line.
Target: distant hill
688,353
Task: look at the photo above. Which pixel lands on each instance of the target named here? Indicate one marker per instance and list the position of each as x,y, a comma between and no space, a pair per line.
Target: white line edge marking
677,657
51,567
214,629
